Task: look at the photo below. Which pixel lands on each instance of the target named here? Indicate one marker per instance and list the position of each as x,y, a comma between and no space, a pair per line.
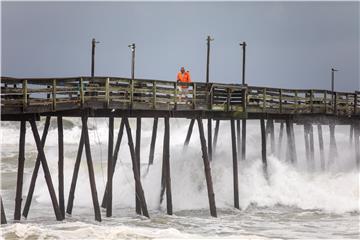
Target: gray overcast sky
290,44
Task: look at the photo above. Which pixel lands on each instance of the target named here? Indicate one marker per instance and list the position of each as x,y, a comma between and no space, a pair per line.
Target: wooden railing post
107,92
154,94
244,98
82,93
228,99
325,101
311,101
194,95
280,100
210,96
296,100
355,103
25,93
54,94
264,99
175,94
335,103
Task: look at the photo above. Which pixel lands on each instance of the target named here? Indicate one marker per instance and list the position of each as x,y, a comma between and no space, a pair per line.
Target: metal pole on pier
93,45
243,45
132,48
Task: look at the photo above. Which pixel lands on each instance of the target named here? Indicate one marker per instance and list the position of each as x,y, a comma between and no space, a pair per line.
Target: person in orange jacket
183,77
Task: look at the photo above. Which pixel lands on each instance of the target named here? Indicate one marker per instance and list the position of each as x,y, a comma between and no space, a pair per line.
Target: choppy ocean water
295,202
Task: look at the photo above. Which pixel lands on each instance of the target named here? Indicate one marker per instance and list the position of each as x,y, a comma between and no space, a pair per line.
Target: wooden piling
90,168
356,143
243,140
166,166
20,171
291,140
207,169
36,170
235,166
75,174
137,152
3,216
61,165
153,141
263,146
188,136
115,157
238,139
209,139
333,149
321,147
311,147
307,148
138,189
110,169
216,133
281,133
45,167
351,134
272,134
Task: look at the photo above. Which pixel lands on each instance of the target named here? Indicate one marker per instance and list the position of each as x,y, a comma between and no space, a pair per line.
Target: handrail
117,92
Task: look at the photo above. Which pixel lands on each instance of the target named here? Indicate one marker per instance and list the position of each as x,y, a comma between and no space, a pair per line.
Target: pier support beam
263,146
209,132
281,133
110,168
115,157
333,148
137,152
166,179
306,138
309,145
321,147
216,133
235,166
357,145
36,170
312,149
238,139
20,171
75,175
90,169
138,188
61,165
207,169
270,131
243,140
153,141
188,136
291,141
2,210
351,134
47,174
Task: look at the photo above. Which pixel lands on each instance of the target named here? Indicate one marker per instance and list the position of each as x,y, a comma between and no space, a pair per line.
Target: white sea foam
335,190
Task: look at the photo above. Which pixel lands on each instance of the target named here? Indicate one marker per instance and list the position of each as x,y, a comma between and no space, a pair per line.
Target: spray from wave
334,190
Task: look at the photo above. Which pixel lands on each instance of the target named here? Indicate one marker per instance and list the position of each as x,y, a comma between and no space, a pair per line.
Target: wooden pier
26,100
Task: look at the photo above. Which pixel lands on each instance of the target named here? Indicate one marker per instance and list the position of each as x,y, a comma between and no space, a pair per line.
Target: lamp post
243,44
93,44
132,48
209,39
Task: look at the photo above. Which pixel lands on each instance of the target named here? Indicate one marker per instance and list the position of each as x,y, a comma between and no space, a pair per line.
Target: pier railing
45,95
